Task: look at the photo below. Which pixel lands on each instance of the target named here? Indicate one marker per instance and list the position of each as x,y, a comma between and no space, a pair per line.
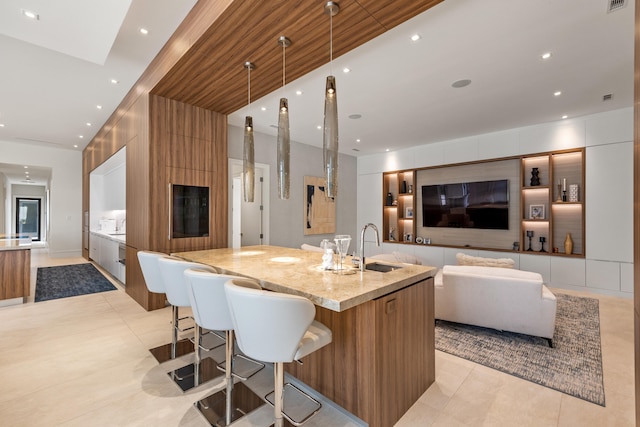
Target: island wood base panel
15,273
382,357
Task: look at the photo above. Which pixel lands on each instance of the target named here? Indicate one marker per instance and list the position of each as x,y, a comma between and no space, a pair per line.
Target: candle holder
529,235
542,240
564,195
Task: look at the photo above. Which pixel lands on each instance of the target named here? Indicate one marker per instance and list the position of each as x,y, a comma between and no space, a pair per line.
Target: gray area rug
573,367
70,280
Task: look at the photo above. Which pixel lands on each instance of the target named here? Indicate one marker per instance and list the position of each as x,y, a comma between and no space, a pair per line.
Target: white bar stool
277,328
211,311
155,283
172,271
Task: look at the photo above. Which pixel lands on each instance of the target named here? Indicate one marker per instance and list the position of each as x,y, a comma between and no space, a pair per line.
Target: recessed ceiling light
298,92
1,125
26,167
263,108
461,83
30,14
564,117
387,149
546,55
26,172
358,140
99,107
144,31
319,127
346,70
88,124
557,93
75,145
114,81
415,37
80,136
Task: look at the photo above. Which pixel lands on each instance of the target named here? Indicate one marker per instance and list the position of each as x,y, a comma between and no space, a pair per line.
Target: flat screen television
483,204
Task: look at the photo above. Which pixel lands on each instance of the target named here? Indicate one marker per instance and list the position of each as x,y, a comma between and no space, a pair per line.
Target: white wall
286,227
3,202
65,232
608,139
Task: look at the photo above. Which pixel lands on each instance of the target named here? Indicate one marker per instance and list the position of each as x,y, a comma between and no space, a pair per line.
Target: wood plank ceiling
211,74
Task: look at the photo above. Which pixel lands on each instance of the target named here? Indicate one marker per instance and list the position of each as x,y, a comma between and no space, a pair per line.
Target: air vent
607,97
614,5
355,149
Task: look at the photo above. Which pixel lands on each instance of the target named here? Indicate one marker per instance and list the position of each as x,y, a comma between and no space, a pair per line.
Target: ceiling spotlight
557,93
346,70
144,31
26,167
461,83
546,55
99,107
88,124
114,81
263,108
29,14
26,172
358,140
415,37
80,136
1,125
75,145
319,127
298,92
564,117
387,149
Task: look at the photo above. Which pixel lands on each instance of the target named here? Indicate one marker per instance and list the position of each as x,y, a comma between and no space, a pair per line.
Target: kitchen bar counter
382,357
15,269
299,272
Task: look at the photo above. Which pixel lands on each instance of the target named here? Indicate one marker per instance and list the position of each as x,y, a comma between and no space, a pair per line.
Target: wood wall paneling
636,207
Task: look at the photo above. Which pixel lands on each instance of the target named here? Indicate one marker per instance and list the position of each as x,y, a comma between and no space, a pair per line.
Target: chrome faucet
362,242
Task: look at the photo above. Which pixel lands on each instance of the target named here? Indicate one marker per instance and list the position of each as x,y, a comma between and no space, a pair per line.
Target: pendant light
284,142
248,152
330,134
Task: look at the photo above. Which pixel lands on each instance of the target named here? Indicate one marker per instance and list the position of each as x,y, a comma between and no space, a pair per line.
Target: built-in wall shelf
549,205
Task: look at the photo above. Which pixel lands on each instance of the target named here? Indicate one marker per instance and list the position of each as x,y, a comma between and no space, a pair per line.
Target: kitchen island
381,359
15,270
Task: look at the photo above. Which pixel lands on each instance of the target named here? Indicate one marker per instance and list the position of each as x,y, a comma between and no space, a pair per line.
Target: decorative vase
389,199
535,177
568,244
403,187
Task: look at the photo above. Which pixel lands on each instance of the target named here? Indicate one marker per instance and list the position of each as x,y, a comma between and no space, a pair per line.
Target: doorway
28,213
249,222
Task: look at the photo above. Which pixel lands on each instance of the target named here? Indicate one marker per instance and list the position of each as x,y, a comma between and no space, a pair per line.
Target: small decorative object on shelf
408,212
559,192
536,212
564,189
410,189
391,230
395,202
530,235
408,237
542,240
403,187
389,201
515,246
573,193
535,177
568,244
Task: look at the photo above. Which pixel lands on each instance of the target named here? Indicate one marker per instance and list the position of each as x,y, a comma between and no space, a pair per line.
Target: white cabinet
104,252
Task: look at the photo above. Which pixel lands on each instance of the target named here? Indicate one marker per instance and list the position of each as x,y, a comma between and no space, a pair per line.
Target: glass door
28,218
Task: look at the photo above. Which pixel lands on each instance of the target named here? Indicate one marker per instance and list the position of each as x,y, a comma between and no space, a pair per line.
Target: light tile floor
83,361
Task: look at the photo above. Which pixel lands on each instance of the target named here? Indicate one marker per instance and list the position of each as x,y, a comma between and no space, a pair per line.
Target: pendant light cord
284,63
331,43
249,88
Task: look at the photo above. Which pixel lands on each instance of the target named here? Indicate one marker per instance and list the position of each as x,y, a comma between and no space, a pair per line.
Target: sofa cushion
486,273
464,259
397,257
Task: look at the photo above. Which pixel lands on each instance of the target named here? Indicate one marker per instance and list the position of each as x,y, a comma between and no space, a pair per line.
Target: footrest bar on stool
296,408
243,370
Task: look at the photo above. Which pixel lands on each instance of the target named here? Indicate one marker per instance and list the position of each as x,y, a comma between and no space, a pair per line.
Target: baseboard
65,254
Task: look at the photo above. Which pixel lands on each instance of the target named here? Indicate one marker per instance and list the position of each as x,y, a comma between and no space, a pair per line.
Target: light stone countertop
115,236
14,244
299,272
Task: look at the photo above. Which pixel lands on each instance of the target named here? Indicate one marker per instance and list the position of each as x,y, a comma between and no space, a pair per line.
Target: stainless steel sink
383,268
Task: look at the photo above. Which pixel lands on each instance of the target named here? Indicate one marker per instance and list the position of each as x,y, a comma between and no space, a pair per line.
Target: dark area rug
69,281
573,367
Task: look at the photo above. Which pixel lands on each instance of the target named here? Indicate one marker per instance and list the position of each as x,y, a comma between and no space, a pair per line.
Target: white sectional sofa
498,298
